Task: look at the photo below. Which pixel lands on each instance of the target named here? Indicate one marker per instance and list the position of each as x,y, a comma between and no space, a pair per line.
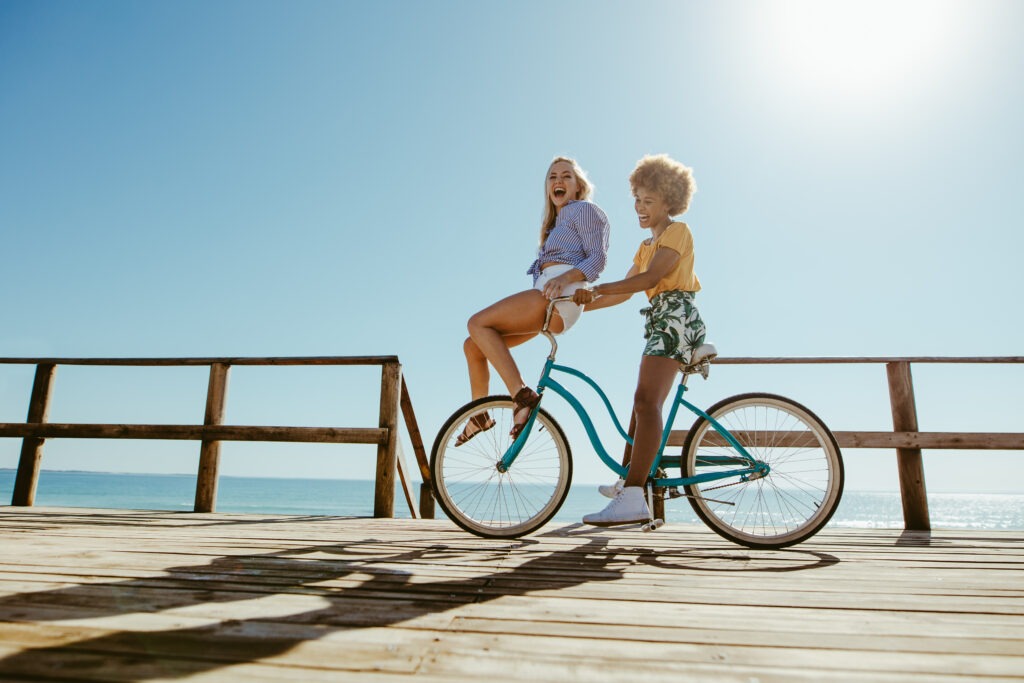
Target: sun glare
857,49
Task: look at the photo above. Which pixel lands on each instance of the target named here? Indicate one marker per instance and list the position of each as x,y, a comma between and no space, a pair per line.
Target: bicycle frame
747,464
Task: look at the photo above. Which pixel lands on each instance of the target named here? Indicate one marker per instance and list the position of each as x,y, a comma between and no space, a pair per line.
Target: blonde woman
573,251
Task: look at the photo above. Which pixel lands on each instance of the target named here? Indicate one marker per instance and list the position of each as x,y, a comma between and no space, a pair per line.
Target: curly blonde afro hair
668,178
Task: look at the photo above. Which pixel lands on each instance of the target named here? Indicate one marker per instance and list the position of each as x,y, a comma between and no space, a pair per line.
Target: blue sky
342,178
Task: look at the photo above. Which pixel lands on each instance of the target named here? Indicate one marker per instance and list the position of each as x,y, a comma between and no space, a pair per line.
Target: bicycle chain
710,488
722,486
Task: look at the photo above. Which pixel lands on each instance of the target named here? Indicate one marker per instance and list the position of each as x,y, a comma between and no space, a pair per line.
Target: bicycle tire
492,504
794,500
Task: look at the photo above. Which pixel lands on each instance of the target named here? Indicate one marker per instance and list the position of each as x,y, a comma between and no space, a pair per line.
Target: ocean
348,498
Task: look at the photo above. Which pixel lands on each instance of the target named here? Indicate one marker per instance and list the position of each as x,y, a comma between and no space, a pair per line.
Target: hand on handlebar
583,296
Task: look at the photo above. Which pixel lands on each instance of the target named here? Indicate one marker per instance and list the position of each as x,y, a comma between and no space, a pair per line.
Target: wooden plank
51,567
27,479
426,505
923,440
400,649
94,667
725,360
1003,441
359,435
412,426
226,360
405,477
387,448
209,450
909,463
155,592
932,440
521,657
380,360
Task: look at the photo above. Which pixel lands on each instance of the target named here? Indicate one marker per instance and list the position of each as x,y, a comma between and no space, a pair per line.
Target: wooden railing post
387,451
209,452
909,462
412,426
27,479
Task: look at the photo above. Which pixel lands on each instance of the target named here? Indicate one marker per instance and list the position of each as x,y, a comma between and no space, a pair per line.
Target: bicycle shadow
719,559
381,595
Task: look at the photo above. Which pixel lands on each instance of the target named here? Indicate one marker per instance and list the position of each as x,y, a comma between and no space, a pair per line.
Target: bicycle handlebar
551,308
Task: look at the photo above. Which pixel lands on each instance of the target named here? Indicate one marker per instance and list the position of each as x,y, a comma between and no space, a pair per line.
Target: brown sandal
523,403
481,422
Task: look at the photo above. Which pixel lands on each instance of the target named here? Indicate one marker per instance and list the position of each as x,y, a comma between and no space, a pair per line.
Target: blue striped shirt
579,238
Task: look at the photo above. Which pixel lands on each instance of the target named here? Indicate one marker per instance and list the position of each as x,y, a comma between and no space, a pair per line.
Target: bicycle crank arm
711,500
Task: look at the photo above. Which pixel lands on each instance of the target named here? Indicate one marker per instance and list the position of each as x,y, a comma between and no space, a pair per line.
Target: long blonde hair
586,189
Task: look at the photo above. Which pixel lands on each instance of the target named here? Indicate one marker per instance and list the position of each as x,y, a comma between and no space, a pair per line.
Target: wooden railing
394,400
904,437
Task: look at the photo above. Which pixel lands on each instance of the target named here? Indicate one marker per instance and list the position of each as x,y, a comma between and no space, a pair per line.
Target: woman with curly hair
573,251
663,269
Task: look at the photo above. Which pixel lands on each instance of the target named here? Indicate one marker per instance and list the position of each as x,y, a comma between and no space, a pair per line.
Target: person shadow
354,586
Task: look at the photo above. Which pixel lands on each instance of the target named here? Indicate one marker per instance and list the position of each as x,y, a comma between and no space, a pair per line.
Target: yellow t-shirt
677,236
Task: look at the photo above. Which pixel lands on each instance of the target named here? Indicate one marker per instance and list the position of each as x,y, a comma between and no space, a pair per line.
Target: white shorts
567,310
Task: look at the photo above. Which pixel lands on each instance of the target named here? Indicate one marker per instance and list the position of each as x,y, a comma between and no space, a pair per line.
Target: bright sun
857,49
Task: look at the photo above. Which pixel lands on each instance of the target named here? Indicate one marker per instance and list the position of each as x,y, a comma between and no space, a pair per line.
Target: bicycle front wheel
485,501
803,485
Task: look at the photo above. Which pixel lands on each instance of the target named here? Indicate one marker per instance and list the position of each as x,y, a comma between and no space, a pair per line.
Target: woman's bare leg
512,317
479,369
627,452
657,375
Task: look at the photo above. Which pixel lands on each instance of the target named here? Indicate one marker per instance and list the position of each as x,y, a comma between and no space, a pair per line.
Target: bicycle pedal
653,524
673,492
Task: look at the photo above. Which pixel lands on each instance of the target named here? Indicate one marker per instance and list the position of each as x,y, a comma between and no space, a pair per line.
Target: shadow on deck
131,595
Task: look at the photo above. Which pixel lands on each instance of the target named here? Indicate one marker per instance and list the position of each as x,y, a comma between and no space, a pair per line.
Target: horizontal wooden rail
724,360
394,399
1007,441
50,430
228,360
980,441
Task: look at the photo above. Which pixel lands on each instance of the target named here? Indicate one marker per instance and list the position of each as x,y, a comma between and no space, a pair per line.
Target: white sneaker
629,507
611,490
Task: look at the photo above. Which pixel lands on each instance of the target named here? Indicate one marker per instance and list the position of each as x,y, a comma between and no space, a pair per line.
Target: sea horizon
575,482
354,498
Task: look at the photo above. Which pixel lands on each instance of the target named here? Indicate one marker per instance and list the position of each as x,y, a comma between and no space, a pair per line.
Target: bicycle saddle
700,358
706,351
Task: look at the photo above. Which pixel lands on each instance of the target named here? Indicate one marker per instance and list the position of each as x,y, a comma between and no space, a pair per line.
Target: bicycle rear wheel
801,490
484,501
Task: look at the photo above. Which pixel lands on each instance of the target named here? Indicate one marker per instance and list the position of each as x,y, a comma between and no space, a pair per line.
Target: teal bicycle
759,469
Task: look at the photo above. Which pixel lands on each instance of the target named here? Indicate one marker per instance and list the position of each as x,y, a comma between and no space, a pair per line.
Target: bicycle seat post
547,322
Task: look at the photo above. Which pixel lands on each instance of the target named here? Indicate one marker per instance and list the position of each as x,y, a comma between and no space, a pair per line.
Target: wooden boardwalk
127,595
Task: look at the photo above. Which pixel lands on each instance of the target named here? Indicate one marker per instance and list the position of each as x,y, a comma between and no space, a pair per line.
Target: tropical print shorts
673,327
